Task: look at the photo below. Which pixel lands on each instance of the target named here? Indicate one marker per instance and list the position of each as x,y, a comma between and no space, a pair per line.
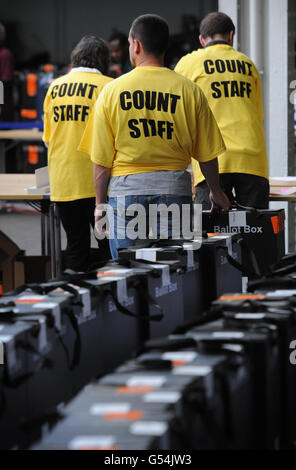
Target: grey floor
25,229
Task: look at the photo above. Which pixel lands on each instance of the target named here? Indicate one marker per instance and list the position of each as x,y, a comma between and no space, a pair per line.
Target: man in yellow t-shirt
232,86
67,107
145,128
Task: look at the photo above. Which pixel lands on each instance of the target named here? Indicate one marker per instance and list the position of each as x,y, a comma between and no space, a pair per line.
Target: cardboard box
11,269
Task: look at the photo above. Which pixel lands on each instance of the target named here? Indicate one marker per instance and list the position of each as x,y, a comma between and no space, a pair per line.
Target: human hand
220,199
101,223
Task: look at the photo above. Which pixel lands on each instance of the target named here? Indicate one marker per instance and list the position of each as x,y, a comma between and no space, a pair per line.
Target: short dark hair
91,52
119,36
153,32
216,23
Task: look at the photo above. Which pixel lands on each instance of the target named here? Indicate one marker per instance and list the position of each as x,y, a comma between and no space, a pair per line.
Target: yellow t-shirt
151,119
67,107
232,86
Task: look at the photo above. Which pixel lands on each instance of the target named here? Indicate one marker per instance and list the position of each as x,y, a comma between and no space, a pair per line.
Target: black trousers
247,190
77,218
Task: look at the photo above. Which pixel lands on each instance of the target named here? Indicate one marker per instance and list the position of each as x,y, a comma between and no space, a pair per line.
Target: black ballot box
274,307
163,296
220,266
211,411
14,370
262,346
262,230
187,253
51,344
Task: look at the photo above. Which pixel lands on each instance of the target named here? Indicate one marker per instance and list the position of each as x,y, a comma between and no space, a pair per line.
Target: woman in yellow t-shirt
67,107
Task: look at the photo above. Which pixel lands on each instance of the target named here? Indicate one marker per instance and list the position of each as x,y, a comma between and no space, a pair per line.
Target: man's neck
217,37
149,61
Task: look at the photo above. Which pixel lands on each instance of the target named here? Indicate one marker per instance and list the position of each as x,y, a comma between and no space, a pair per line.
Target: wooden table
283,189
12,187
16,135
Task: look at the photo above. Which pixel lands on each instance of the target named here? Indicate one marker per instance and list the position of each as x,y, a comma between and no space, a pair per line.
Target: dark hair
119,36
216,23
91,52
153,32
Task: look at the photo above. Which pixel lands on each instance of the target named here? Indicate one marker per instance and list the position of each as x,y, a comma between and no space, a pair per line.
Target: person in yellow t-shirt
144,129
67,107
232,86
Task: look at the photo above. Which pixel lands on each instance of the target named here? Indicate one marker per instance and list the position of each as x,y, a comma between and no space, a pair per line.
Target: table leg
52,241
43,234
2,157
45,227
57,235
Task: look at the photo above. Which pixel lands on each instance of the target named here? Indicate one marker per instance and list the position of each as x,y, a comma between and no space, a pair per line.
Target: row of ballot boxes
227,382
58,336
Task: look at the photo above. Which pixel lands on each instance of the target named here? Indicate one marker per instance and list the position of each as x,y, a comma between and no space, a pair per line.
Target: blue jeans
146,222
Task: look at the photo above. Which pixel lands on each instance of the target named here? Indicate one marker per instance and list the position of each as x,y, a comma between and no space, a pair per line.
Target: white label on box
190,259
245,281
237,219
10,350
148,428
228,334
42,339
91,442
229,245
280,293
250,316
193,370
149,254
85,297
161,397
233,347
145,381
184,356
165,274
56,311
122,296
100,409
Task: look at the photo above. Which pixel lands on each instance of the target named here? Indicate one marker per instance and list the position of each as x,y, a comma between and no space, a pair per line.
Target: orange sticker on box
275,224
27,301
106,274
127,416
242,297
28,113
31,84
135,390
33,157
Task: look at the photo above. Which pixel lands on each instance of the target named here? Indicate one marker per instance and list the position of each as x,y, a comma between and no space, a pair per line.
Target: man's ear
231,35
137,46
202,41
